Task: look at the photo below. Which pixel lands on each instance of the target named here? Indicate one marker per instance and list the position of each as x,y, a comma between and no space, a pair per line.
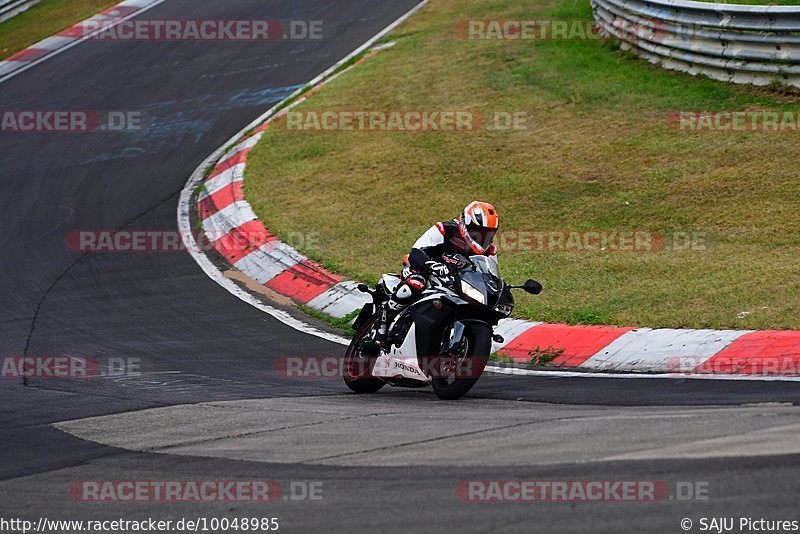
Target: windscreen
486,264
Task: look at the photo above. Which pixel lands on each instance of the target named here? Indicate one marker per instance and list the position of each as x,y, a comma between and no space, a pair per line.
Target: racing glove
439,269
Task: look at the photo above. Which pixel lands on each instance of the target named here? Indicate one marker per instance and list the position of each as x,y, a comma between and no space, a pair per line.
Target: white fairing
431,238
391,282
401,362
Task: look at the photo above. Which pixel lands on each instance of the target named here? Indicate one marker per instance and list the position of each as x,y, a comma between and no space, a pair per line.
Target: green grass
601,156
45,19
756,2
500,358
544,356
343,324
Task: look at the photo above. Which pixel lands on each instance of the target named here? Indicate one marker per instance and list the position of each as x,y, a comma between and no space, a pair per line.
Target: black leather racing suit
442,238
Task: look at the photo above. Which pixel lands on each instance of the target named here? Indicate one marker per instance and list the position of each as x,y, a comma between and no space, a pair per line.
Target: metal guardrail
12,8
730,42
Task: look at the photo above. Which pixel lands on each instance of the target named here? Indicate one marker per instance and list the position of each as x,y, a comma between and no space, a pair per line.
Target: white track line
515,371
64,48
185,226
184,204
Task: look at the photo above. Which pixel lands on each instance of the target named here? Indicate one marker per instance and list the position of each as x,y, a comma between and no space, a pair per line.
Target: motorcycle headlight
472,293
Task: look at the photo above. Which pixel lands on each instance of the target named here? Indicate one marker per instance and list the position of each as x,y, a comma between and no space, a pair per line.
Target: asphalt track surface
387,462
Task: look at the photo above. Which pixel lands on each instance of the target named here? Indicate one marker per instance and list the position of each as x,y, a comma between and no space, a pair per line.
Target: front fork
456,338
457,335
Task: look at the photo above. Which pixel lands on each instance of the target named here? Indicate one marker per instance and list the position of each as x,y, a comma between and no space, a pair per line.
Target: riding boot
390,310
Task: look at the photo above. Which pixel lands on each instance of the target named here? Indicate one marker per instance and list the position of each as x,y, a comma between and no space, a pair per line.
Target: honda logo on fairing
405,367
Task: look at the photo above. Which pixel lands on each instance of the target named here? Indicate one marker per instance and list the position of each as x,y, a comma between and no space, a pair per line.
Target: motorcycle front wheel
463,372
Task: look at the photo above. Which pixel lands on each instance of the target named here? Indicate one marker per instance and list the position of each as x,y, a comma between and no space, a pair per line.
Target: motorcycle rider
471,234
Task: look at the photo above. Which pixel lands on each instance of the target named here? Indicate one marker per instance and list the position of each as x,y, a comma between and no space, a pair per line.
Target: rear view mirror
533,287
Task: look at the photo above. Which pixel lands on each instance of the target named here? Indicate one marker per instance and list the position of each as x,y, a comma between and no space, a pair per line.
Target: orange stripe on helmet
489,215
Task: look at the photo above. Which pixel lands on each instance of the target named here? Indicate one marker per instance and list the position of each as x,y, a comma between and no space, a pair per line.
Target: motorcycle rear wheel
357,371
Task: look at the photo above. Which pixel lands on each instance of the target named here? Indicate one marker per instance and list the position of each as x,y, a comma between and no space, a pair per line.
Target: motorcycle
444,339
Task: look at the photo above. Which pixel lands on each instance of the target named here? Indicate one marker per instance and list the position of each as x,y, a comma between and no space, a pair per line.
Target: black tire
357,369
478,338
